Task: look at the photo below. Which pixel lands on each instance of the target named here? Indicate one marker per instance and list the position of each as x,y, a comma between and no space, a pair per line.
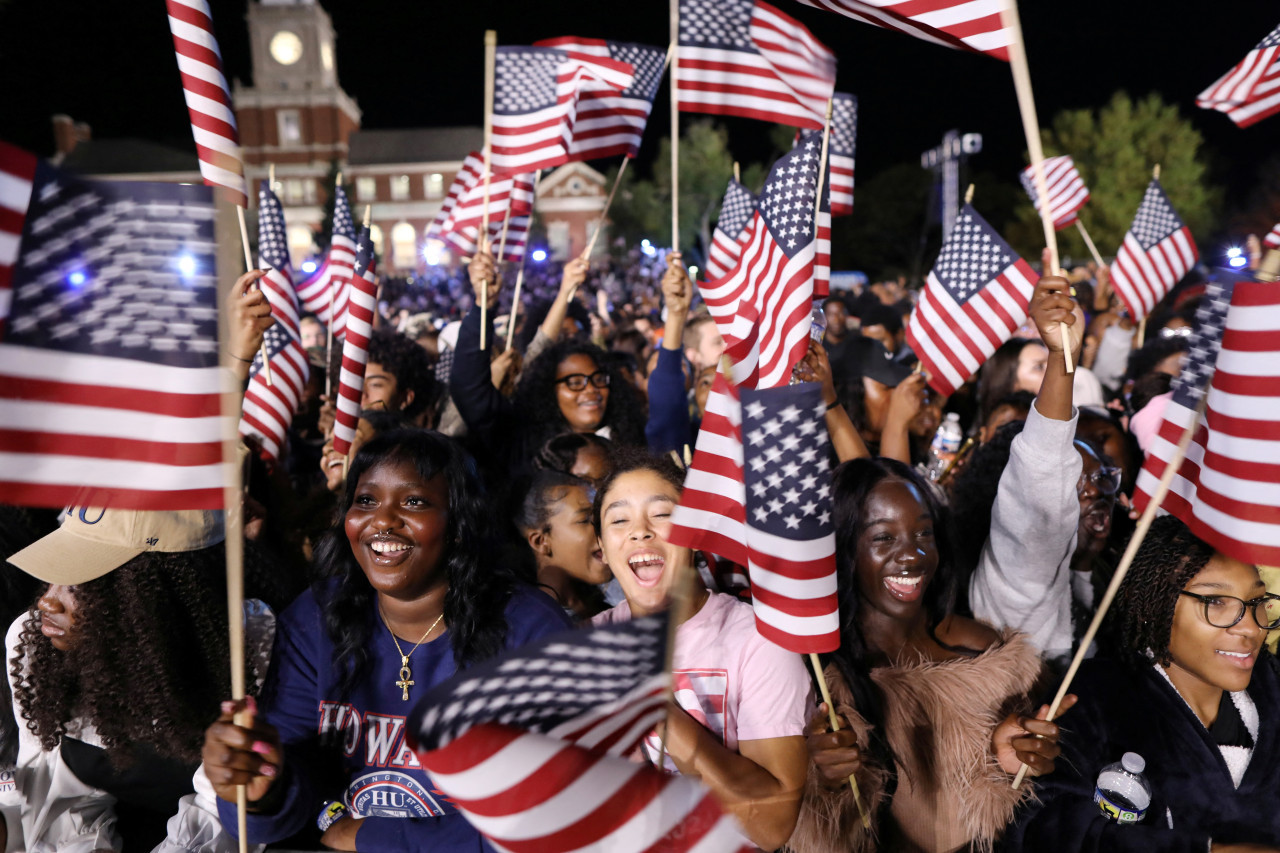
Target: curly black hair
1143,361
535,397
628,459
479,587
973,492
560,453
852,483
1141,618
151,663
410,365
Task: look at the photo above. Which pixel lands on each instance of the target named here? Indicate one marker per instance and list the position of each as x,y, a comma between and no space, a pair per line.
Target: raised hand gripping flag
271,399
762,305
213,121
109,376
745,58
1157,251
325,292
1272,240
840,156
608,122
973,25
731,229
529,747
975,298
1228,487
355,345
1249,92
537,92
1067,192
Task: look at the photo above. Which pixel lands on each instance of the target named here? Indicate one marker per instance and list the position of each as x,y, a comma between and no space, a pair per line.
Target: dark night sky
418,63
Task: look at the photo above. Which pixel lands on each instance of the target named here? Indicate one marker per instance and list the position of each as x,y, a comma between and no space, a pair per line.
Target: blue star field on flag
844,124
364,252
648,65
272,246
724,24
526,79
1156,219
1205,341
973,255
786,202
117,269
736,209
785,468
342,222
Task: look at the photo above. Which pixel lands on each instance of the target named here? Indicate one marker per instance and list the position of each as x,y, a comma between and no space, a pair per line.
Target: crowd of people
498,493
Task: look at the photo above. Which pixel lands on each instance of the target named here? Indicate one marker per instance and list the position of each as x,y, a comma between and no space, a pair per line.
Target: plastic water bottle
817,323
1123,793
945,446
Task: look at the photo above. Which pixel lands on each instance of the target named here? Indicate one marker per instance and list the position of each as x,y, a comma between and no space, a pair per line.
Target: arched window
301,239
404,246
375,234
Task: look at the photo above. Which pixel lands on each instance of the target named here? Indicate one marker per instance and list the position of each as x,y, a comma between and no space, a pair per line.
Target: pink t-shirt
737,684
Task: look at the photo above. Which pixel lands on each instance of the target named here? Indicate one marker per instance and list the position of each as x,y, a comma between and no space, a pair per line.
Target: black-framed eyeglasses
578,381
1106,480
1224,611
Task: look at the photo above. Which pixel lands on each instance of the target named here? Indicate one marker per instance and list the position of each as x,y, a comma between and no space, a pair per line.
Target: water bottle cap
953,416
1133,762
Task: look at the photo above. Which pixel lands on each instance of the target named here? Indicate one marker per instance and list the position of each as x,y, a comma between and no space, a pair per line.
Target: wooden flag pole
248,265
834,719
1088,241
1141,337
328,351
608,202
515,297
968,195
1135,542
736,174
490,55
675,124
822,168
1031,127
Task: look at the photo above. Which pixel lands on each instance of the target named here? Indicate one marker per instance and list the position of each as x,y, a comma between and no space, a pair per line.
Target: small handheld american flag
1158,250
975,298
109,376
730,233
746,58
963,24
326,291
1228,487
844,133
1067,192
1249,92
355,347
1272,240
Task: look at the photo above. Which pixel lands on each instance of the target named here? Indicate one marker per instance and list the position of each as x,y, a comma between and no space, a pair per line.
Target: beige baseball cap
93,541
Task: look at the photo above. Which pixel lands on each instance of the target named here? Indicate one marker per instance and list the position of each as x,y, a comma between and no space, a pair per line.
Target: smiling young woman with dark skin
408,597
1182,679
555,519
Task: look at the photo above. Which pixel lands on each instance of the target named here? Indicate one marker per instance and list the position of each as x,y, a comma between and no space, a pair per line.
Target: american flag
745,58
608,122
770,511
731,229
459,219
355,346
529,747
762,305
472,168
326,291
1228,487
1067,192
1249,92
965,24
463,240
537,93
975,298
109,376
1157,252
269,406
213,122
844,132
1272,240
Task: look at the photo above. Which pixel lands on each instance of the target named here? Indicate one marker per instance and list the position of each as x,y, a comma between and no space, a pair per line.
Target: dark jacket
1193,801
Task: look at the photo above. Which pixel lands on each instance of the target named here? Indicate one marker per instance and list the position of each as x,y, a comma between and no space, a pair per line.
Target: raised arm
816,367
248,318
471,380
575,273
668,425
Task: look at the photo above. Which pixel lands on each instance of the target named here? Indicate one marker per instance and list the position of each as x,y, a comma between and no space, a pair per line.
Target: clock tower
295,115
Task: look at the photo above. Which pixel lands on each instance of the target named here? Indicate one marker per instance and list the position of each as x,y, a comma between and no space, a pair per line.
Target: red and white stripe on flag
355,346
730,233
325,293
472,168
975,298
840,158
822,258
463,240
1067,192
964,24
744,58
1228,487
213,121
17,172
1249,92
1157,252
1272,240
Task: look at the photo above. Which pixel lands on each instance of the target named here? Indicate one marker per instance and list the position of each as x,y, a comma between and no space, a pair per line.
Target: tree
1115,149
887,231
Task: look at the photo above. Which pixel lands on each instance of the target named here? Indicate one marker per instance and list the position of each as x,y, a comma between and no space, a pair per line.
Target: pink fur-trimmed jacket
951,793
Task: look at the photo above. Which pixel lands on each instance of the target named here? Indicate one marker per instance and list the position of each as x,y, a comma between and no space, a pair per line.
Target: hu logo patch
391,794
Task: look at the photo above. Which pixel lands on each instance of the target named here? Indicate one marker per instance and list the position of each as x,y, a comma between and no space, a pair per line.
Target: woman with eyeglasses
1184,681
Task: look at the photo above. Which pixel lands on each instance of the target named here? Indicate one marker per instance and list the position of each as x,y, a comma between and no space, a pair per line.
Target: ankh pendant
406,678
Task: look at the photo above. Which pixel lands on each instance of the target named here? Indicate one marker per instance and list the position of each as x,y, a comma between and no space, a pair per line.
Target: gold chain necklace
406,676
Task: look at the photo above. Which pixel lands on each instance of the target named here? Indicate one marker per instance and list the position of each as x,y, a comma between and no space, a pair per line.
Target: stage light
76,278
433,252
693,273
539,256
308,266
187,265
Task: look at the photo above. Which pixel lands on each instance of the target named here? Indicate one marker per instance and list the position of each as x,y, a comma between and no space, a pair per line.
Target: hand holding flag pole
1031,126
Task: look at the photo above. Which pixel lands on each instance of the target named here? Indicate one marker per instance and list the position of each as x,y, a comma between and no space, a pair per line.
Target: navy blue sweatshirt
371,768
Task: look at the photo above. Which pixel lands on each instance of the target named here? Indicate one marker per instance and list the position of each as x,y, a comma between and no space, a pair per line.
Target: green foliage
1115,149
886,233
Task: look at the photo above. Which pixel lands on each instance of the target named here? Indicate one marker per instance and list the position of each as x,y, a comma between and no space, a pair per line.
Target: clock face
286,47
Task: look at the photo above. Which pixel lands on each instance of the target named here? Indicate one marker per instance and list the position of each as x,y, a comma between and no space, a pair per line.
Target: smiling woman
409,595
1182,679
